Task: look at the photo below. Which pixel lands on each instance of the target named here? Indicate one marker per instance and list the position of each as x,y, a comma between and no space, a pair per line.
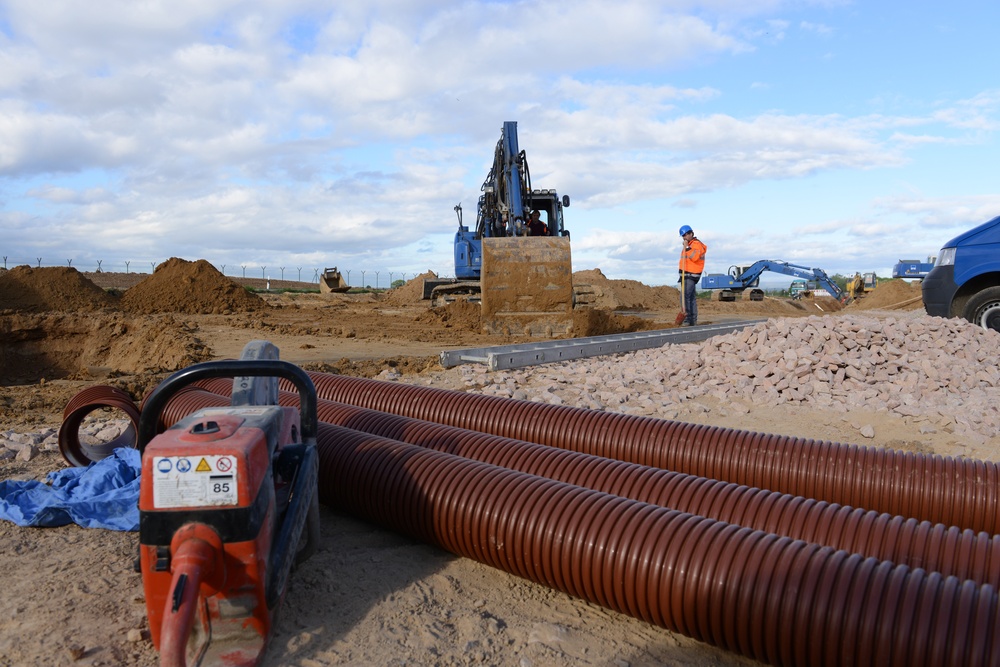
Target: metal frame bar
545,352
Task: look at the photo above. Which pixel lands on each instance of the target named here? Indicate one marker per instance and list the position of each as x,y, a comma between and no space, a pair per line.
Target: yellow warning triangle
203,466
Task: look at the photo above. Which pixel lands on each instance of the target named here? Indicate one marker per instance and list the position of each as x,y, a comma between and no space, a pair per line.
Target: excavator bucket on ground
527,286
332,281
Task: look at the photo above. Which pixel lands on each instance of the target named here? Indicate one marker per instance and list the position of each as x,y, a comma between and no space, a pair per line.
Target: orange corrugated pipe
956,492
962,553
772,598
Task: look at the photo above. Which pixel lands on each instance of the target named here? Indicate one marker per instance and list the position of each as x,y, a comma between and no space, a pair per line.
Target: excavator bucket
332,281
527,286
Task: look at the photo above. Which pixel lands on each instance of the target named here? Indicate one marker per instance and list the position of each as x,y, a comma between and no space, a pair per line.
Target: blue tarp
105,494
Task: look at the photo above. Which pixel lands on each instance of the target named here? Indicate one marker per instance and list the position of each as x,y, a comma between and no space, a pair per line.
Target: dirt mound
588,322
460,315
411,292
51,288
70,345
180,286
890,294
617,294
464,315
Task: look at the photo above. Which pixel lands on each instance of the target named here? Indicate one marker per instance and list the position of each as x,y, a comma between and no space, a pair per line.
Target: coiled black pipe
955,492
936,547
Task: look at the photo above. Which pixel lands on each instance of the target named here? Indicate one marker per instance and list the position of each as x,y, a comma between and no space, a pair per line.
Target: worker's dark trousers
690,302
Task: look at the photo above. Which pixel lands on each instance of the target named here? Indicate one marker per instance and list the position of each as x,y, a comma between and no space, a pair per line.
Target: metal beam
545,352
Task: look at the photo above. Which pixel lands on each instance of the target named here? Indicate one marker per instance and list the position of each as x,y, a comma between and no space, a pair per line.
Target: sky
275,138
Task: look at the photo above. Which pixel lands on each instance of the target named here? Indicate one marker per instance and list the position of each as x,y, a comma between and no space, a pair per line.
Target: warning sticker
194,481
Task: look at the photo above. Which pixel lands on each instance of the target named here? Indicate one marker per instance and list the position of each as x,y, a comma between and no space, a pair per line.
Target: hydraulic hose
956,492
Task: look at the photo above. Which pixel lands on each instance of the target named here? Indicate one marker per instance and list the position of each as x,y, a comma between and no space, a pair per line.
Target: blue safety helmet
685,229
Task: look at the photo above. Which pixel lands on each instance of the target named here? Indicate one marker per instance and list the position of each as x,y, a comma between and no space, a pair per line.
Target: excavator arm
749,277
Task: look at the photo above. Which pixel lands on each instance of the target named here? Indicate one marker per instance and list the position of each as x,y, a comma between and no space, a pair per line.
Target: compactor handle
150,418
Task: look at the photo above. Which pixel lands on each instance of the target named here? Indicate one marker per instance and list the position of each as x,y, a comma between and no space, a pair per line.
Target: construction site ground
70,595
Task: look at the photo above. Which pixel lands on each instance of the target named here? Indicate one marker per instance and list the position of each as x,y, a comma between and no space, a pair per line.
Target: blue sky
300,134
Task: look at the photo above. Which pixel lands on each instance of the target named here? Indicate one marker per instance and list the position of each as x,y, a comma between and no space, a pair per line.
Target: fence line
241,270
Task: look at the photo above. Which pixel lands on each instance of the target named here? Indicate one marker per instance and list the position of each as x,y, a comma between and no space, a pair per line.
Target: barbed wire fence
369,278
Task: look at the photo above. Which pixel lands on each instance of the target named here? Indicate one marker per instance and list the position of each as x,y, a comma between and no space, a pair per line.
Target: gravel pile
945,370
26,446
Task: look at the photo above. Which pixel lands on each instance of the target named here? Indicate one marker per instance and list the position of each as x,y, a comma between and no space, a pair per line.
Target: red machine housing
209,501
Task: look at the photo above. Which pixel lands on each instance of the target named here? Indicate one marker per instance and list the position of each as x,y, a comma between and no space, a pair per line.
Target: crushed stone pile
52,288
945,370
180,286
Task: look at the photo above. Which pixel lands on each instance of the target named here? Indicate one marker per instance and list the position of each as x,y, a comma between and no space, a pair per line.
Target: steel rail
505,357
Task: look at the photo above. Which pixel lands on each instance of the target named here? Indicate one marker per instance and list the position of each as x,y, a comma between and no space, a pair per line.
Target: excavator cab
527,281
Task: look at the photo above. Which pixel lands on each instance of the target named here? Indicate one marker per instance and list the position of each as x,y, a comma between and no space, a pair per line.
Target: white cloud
249,128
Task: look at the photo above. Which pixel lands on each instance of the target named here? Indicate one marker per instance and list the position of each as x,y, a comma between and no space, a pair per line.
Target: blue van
965,280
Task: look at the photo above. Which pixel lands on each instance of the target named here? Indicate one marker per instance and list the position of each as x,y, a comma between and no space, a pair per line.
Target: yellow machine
861,284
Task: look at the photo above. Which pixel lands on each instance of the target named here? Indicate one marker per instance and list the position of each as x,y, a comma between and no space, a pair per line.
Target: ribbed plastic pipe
955,492
774,599
83,404
948,550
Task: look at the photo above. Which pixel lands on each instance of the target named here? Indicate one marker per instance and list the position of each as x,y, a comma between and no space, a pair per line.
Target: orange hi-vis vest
693,258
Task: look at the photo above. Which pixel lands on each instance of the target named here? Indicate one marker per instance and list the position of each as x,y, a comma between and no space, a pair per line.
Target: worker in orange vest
692,264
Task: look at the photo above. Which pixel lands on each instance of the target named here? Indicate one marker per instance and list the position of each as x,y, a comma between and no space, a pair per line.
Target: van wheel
983,309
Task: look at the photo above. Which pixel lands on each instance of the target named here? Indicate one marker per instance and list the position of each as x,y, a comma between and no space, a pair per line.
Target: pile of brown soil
180,286
72,345
460,314
617,294
410,292
589,322
51,288
891,294
463,315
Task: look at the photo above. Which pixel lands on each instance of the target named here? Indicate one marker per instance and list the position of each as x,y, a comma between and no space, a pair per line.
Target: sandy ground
370,596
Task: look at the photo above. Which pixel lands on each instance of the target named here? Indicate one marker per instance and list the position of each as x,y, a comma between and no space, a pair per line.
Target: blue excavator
743,281
516,259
